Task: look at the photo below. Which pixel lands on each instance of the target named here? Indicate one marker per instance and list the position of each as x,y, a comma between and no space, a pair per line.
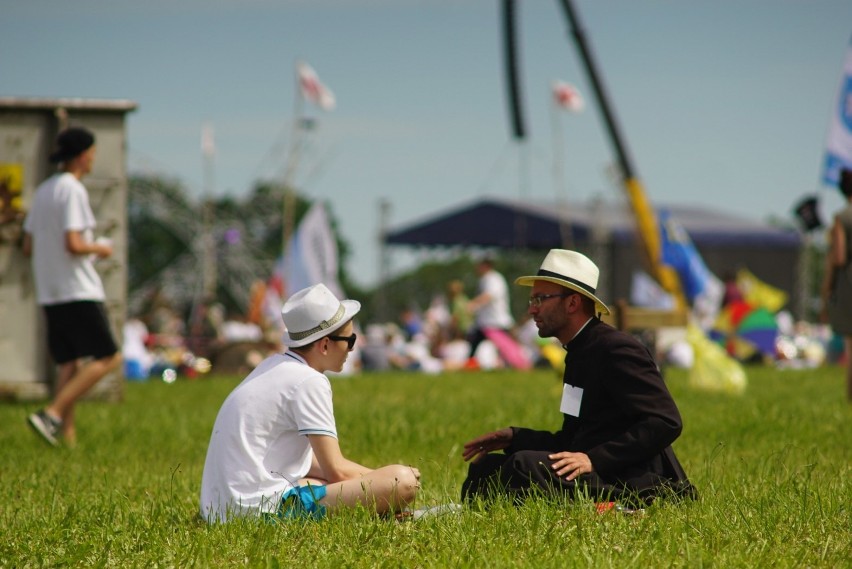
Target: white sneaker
435,511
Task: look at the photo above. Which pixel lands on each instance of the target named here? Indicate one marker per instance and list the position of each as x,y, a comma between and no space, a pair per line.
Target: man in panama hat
274,449
619,420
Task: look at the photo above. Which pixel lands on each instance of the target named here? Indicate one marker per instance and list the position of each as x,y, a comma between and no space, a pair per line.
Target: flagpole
559,172
556,128
289,204
204,245
802,299
523,192
384,259
208,271
308,87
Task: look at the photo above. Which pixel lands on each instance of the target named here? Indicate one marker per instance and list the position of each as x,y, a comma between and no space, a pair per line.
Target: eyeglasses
537,299
350,340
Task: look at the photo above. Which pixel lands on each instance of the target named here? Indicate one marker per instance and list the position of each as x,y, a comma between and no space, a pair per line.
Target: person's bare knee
407,483
102,367
111,363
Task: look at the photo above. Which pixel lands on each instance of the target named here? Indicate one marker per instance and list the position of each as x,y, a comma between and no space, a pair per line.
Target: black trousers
527,472
520,474
476,336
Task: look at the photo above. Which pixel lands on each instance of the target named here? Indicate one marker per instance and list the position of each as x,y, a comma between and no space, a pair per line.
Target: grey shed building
28,128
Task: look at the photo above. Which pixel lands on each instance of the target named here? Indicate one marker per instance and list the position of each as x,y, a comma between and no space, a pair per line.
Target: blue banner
680,253
838,146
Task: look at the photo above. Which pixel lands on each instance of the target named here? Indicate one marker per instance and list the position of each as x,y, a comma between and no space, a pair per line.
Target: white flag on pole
645,292
567,97
312,88
838,146
312,254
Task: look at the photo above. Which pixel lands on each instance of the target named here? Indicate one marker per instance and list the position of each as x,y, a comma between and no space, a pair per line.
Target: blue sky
722,102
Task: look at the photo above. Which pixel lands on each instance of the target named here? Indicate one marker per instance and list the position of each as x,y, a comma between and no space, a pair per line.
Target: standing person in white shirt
274,450
58,235
490,306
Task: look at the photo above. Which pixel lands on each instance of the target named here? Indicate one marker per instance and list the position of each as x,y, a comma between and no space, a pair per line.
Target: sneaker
436,511
46,426
433,512
629,511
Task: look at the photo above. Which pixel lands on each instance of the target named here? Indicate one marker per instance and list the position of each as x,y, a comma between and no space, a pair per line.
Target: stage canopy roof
496,222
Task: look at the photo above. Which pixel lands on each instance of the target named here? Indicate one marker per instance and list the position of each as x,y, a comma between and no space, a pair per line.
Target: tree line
165,251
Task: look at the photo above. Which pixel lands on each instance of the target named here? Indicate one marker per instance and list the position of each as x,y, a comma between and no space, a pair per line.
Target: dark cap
808,214
70,143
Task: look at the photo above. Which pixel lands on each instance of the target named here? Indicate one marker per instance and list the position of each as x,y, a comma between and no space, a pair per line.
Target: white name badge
571,399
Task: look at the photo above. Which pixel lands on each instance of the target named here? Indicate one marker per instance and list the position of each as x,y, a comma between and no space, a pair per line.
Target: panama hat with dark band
569,269
315,312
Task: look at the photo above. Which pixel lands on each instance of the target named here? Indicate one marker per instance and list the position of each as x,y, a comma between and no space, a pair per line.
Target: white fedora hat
315,312
570,269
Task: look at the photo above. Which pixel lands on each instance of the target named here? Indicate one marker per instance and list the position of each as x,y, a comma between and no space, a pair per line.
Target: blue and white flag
700,286
680,253
838,146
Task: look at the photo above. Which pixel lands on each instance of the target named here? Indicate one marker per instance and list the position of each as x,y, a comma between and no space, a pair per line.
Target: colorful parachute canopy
745,330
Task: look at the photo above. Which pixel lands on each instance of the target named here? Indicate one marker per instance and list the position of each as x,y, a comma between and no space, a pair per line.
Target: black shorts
77,330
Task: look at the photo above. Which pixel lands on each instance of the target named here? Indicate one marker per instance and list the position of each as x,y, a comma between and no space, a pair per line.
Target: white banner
312,254
838,147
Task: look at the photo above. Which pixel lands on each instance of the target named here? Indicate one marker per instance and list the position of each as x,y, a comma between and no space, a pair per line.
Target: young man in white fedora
619,420
274,450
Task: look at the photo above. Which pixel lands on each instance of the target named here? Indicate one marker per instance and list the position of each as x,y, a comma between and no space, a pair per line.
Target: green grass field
773,468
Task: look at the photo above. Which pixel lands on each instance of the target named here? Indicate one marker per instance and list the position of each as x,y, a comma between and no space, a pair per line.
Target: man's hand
480,446
77,245
102,248
572,463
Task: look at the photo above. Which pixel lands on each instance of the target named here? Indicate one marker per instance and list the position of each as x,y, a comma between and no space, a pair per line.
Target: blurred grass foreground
773,466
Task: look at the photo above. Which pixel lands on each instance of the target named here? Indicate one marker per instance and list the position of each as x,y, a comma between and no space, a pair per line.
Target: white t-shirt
494,314
259,448
61,204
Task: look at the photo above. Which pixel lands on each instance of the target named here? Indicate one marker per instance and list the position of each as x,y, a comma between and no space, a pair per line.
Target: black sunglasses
350,340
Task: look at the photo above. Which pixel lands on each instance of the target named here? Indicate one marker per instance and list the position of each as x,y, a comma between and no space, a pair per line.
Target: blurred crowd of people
449,334
162,342
459,330
456,331
433,342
